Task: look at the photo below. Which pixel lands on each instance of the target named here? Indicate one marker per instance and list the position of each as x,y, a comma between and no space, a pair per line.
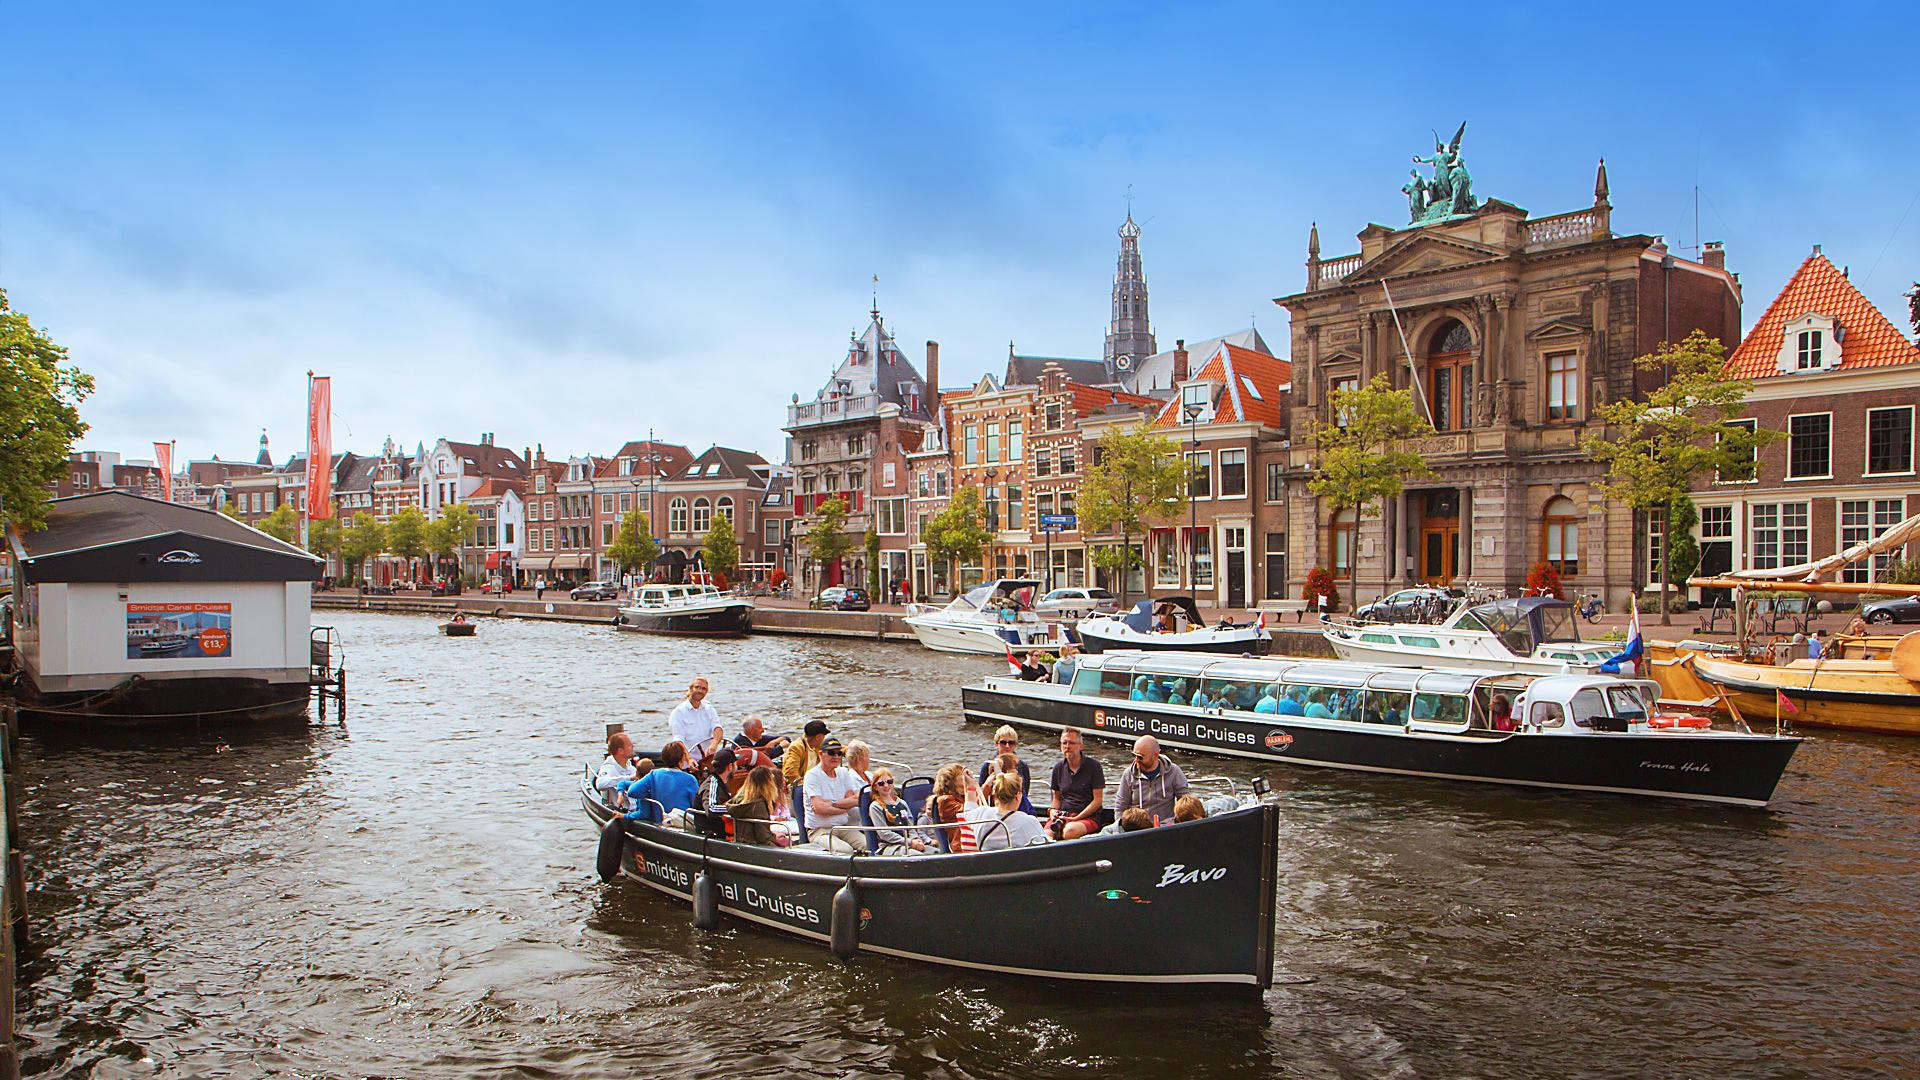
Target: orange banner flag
320,449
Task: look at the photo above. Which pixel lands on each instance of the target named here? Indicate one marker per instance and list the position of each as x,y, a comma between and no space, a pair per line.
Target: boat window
1419,642
1385,707
1556,623
1377,639
1239,695
1587,707
1545,714
1470,621
1440,708
1627,703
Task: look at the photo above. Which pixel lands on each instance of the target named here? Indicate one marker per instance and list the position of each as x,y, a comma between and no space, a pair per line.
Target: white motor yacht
696,609
1534,634
987,619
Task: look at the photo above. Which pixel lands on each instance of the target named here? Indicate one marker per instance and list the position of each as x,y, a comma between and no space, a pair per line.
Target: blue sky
570,224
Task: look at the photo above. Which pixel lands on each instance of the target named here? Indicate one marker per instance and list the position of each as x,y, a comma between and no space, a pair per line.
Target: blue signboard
1052,523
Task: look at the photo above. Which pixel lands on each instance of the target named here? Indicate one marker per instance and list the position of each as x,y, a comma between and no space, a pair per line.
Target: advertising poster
187,629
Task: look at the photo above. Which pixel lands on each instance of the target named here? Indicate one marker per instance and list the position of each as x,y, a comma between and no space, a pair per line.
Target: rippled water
414,896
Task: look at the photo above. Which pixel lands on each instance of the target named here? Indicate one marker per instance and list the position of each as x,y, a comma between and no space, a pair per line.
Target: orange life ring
1680,721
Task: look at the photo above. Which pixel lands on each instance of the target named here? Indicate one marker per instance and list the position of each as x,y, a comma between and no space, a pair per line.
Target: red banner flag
320,449
163,456
1785,703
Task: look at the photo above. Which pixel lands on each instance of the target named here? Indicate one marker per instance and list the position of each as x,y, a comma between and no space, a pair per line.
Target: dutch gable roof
1818,287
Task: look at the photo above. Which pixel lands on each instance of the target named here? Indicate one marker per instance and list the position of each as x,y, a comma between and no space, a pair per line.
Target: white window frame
1753,472
1222,474
1788,474
702,516
1204,459
1866,447
677,515
1881,514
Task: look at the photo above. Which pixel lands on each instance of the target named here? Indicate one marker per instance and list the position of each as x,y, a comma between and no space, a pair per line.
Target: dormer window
1811,344
1196,396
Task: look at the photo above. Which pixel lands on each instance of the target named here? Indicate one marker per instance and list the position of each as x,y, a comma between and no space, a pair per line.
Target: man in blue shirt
668,785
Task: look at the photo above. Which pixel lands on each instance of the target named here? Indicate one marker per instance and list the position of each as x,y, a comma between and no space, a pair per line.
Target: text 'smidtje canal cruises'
1578,732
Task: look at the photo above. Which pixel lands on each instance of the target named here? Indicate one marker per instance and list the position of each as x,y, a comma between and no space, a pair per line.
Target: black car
841,598
1408,605
596,590
1898,609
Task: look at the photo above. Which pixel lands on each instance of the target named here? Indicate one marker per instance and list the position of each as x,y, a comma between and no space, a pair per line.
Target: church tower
265,458
1130,334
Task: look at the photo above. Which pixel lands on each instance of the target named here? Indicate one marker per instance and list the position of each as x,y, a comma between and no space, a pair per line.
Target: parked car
1423,604
1898,609
841,598
596,590
1075,603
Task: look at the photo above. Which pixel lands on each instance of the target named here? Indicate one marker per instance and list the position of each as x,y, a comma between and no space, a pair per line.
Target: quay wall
864,625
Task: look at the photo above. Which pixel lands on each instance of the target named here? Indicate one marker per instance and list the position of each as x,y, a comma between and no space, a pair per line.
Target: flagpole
306,485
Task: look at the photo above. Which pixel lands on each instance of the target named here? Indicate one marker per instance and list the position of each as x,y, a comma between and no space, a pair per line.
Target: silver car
1075,603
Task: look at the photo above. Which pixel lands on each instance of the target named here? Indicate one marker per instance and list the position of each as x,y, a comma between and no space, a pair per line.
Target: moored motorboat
989,619
698,610
1536,634
1191,903
1170,624
1570,731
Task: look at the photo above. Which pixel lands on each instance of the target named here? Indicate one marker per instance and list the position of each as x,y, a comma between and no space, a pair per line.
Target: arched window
1450,376
1560,535
702,515
832,482
1343,537
724,507
677,516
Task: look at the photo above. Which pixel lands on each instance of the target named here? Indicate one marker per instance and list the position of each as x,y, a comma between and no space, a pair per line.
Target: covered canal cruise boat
1571,731
1188,903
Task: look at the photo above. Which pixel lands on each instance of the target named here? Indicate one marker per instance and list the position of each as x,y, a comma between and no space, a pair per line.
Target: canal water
414,896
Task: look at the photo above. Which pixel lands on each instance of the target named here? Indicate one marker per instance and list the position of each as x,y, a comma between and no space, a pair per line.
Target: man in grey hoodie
1151,783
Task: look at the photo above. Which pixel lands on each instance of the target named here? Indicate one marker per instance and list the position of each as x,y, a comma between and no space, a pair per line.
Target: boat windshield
1508,623
1556,623
1628,702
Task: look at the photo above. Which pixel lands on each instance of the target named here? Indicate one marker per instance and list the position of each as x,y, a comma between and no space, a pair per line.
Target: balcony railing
833,409
1332,270
1574,228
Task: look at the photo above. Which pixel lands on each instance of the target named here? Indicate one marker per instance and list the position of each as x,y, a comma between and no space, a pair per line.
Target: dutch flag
1634,650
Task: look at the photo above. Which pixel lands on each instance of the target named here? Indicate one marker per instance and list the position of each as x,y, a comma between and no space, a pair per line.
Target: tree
1365,458
872,545
633,545
449,532
40,399
1682,549
720,551
232,510
323,537
1678,435
283,524
407,534
1140,476
827,538
958,536
363,538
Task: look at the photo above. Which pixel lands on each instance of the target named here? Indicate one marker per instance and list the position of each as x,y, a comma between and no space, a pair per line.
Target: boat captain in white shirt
696,724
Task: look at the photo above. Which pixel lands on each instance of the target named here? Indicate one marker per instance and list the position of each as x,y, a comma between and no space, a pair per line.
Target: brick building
1843,382
628,481
721,482
1516,327
102,470
930,485
987,429
1058,457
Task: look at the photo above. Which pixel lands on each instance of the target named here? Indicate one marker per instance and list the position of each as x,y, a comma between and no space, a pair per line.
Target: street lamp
1193,411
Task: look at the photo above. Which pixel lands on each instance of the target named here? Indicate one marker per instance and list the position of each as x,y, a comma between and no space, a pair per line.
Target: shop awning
493,560
544,563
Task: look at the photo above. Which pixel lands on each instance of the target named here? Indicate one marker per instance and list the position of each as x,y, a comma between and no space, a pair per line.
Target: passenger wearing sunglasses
1152,783
831,794
1006,743
888,815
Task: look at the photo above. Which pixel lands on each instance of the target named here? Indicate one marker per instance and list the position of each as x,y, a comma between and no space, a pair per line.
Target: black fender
613,848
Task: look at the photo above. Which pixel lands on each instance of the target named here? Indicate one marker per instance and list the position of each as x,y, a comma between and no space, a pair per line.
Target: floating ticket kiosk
133,609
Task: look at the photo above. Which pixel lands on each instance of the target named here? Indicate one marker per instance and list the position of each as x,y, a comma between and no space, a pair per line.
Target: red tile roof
1251,385
1819,287
492,488
1092,399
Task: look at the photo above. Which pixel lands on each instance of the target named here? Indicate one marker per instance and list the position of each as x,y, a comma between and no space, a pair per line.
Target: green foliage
1141,478
872,543
1365,459
720,551
1683,551
363,538
232,510
958,536
323,537
407,533
40,399
283,524
1654,450
452,530
826,538
633,547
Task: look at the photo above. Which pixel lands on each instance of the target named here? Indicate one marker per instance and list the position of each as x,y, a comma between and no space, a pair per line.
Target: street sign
1053,523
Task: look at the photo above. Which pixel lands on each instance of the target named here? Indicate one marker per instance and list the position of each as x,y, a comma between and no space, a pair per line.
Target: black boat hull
1737,771
1190,903
729,621
1093,641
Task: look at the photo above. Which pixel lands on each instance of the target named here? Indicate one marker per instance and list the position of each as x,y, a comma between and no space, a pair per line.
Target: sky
570,225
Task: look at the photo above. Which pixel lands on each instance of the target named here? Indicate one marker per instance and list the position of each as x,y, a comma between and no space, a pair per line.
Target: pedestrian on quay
540,587
695,723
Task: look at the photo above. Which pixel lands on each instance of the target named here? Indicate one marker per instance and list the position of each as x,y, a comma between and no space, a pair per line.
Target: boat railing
950,881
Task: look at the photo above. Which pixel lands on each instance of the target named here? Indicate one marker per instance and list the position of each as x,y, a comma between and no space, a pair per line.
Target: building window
1563,387
1748,473
1890,440
1656,544
1344,385
892,517
808,484
1016,441
606,534
1067,503
1450,378
887,474
1342,544
1042,463
1779,535
1810,446
1561,535
856,444
1194,402
702,516
940,483
770,532
1201,541
1276,482
1067,462
1233,474
1016,515
1807,350
807,450
724,507
993,443
971,438
677,516
1053,418
1276,566
1201,464
1166,558
1860,521
1045,504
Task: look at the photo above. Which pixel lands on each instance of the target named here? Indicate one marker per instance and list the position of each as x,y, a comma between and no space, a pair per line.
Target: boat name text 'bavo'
1178,729
1178,874
735,893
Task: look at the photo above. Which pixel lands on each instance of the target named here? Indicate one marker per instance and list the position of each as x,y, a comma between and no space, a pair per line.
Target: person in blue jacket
669,785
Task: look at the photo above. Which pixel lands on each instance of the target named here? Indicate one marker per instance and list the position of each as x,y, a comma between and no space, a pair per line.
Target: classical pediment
1560,327
1422,253
1337,358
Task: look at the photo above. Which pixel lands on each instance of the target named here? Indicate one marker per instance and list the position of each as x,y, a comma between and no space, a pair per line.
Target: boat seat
866,803
916,791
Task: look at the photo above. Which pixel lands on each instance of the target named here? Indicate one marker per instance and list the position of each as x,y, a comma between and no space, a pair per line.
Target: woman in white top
860,764
618,766
1002,824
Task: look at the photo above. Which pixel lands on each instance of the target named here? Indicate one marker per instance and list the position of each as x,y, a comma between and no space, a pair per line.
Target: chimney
1180,361
933,377
1714,254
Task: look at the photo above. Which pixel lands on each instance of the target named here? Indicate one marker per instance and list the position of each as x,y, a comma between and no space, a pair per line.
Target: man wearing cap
804,754
695,724
832,793
724,777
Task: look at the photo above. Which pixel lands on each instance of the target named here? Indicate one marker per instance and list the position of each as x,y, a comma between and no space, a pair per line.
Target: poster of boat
179,630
